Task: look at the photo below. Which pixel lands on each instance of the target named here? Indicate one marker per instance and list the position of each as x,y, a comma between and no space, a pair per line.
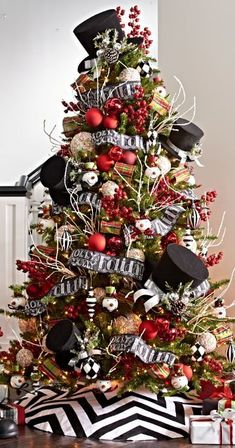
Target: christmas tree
118,293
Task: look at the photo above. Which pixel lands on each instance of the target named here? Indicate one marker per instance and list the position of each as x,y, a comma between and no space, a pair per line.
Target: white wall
196,43
39,59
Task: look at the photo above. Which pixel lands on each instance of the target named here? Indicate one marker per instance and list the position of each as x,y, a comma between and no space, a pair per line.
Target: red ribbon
226,393
230,424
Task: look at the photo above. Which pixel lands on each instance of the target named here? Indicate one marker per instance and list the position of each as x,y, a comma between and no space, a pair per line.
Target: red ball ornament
115,153
129,157
115,243
110,122
149,329
187,370
104,163
162,324
35,291
168,239
94,117
113,106
97,242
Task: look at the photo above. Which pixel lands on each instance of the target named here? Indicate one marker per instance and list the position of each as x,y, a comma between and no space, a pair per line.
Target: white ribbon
153,291
184,154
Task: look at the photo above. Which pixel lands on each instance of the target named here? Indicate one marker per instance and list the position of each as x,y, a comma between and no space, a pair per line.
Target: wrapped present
227,400
50,369
80,84
124,170
180,174
223,334
113,227
71,125
160,104
212,430
13,412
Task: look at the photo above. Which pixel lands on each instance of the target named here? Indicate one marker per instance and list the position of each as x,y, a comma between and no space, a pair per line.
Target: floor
29,438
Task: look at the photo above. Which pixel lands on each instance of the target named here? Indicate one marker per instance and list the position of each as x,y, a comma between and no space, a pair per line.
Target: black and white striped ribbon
127,142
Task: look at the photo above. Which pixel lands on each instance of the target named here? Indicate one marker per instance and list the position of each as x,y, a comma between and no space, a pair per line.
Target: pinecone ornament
178,305
111,55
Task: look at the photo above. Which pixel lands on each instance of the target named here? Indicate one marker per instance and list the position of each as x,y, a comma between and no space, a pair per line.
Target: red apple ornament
97,242
149,328
104,163
93,117
129,157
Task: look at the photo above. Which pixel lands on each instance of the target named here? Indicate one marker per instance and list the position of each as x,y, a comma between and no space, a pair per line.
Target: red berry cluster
72,311
213,364
1,332
138,112
210,196
214,259
146,33
69,107
64,151
164,194
112,206
120,13
35,270
134,21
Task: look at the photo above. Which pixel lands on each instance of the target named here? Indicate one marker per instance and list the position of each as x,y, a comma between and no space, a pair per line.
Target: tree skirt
139,415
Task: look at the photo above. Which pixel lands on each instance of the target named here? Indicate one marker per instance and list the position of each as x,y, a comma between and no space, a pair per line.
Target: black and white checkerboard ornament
144,69
197,352
90,368
139,415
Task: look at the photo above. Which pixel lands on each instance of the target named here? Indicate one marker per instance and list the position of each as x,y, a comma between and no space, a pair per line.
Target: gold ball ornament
81,142
127,324
28,325
24,357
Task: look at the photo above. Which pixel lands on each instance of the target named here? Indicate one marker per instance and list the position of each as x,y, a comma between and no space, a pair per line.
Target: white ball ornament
129,74
109,188
17,302
143,224
219,312
164,165
90,178
152,173
103,385
46,224
17,381
110,303
82,142
161,91
178,382
207,341
24,357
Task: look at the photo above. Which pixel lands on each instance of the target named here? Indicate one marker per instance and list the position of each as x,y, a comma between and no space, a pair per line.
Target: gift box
14,412
207,430
226,403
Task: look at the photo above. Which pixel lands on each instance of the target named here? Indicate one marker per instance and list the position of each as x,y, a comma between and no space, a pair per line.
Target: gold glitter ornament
127,324
28,325
81,142
24,357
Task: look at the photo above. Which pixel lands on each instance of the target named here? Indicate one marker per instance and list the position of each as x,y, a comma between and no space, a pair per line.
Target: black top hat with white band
179,265
62,336
183,141
88,30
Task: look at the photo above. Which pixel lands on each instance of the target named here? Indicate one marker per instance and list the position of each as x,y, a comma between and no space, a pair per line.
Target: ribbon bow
151,295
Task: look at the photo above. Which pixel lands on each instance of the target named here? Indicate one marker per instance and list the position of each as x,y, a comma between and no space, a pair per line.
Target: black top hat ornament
179,265
62,336
54,175
88,30
184,140
8,428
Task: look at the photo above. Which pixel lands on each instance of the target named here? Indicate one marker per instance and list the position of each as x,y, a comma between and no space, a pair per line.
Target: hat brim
60,197
130,40
171,151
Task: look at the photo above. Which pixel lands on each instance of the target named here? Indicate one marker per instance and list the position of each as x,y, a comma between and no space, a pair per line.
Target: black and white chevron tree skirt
138,415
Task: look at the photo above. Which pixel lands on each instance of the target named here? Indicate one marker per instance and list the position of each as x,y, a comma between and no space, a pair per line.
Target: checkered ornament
144,69
90,368
197,352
